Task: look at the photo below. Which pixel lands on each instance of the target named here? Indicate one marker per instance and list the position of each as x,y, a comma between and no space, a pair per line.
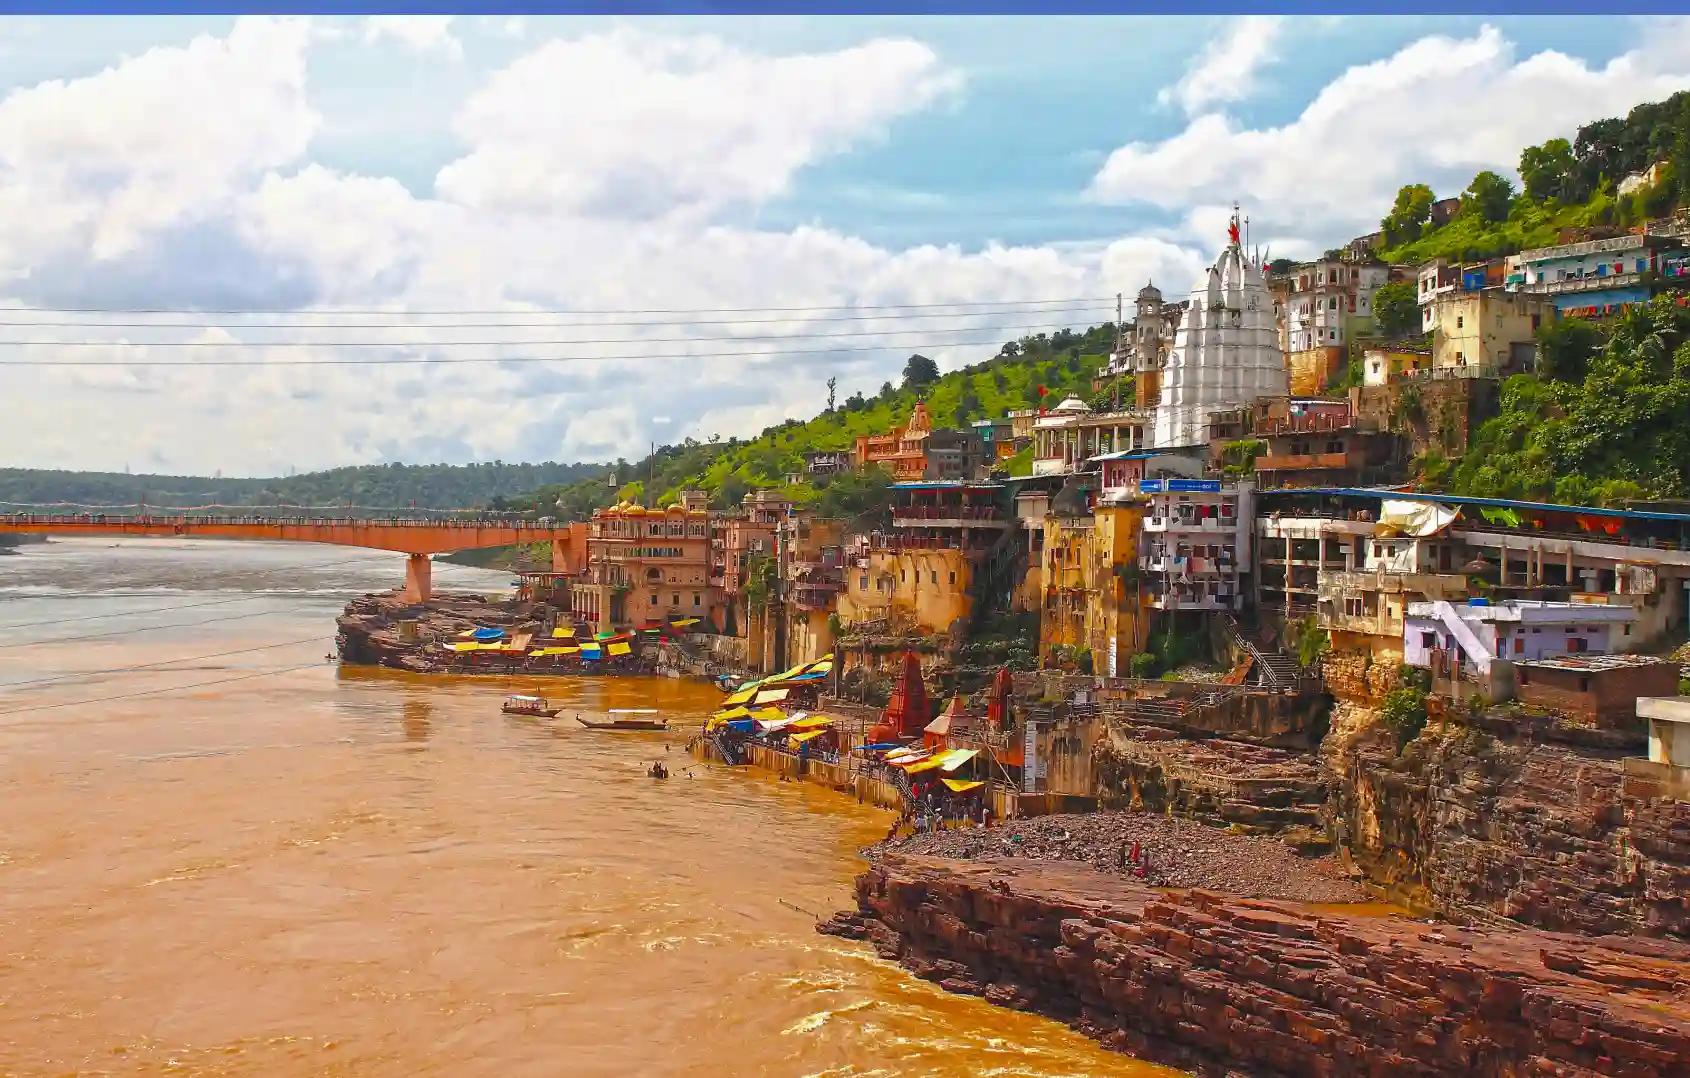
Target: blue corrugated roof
1129,454
944,484
1467,499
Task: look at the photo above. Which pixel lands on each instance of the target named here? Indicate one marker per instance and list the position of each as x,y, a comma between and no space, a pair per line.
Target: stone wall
1473,828
1236,986
1447,410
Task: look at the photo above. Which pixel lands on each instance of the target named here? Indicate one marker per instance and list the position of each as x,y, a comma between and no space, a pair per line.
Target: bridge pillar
419,578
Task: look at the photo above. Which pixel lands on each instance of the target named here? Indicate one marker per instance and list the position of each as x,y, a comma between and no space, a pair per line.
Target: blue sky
599,164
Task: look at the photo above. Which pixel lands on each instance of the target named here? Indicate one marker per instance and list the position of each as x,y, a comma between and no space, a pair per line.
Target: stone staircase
1274,668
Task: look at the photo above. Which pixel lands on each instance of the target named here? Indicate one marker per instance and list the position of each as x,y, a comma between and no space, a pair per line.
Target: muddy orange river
221,854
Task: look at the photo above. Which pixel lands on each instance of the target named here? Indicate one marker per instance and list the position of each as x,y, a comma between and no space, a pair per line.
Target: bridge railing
174,520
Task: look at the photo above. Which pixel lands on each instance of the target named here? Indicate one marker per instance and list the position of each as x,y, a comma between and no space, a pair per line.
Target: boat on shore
633,718
534,707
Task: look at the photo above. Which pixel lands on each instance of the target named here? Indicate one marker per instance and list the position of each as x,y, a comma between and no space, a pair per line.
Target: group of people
926,812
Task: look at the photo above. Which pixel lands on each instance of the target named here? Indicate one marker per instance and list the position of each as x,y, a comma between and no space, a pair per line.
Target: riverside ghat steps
1225,985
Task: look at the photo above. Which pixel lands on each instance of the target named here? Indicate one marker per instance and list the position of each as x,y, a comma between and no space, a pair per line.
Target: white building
1069,435
1196,543
1327,297
1226,352
1477,633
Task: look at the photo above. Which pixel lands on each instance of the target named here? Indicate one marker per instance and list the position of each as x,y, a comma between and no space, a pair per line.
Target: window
1428,640
1536,318
903,576
1577,644
953,581
862,582
695,598
654,598
1459,321
933,576
1519,645
675,599
1584,684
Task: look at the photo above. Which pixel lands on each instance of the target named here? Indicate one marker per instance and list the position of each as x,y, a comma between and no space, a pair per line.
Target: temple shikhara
1226,353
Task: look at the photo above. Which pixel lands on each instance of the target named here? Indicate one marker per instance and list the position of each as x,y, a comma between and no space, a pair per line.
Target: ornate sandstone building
1226,353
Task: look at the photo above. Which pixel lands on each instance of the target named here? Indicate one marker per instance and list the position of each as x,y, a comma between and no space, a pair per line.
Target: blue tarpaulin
878,746
591,653
488,634
741,726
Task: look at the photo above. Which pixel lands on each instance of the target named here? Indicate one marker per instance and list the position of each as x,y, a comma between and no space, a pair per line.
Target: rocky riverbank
382,629
1230,985
1175,853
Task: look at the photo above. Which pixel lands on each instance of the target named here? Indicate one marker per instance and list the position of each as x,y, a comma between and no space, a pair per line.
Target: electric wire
521,343
331,311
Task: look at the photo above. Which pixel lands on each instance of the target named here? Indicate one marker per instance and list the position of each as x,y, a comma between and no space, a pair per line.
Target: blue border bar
843,7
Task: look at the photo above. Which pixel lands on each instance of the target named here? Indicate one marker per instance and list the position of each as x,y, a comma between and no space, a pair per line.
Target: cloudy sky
734,175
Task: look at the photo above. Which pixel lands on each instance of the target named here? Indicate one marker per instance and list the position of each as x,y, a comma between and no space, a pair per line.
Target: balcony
1190,524
1299,462
1591,283
948,516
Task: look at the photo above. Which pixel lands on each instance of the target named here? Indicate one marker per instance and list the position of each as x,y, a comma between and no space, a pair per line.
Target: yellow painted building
925,590
1485,331
1092,597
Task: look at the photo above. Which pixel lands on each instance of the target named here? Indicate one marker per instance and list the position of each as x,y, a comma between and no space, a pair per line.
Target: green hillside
435,486
1565,185
1064,362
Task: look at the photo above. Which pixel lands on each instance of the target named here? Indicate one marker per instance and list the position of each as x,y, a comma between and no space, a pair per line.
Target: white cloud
427,34
156,141
1227,69
638,125
1436,111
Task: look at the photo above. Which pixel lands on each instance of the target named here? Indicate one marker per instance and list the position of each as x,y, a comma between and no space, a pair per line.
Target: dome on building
634,511
1150,293
1073,405
676,509
1226,351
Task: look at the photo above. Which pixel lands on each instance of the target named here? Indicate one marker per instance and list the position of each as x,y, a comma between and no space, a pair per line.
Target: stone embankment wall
1237,986
1470,826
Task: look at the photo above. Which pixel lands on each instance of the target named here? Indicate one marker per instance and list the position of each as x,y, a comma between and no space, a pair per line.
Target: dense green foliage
1609,425
1396,309
432,486
1567,185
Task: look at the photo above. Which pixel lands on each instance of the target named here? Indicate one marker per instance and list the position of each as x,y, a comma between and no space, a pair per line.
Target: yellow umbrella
955,758
619,648
768,714
742,696
563,632
772,696
813,722
962,786
923,765
799,739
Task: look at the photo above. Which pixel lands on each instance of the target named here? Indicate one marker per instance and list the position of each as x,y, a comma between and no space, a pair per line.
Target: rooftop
1587,664
1540,610
1501,503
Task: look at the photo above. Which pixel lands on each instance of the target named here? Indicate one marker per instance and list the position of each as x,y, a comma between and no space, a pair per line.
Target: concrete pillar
419,578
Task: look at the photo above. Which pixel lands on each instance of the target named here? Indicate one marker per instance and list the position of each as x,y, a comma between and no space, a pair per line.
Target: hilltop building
1226,352
645,566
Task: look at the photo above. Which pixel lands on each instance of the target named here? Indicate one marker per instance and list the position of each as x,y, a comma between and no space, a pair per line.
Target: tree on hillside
864,498
920,372
832,391
1564,348
886,391
1488,197
1408,216
732,491
1547,171
967,405
1396,309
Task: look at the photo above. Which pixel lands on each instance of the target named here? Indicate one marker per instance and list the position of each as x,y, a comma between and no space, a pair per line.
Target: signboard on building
1179,486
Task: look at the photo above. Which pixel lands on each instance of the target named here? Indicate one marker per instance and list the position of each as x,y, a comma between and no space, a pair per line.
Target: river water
241,859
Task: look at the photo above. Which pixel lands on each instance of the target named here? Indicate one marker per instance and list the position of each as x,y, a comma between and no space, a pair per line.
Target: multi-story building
997,440
737,540
647,566
1595,278
1382,366
827,462
1196,545
1328,300
901,451
813,566
1069,436
1144,345
1435,279
1477,633
922,573
1317,443
1092,599
1487,333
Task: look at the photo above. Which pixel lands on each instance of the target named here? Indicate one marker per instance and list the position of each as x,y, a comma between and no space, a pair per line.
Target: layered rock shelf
383,629
1226,985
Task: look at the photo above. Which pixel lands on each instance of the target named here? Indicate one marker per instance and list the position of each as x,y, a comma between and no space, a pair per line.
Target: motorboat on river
627,718
534,707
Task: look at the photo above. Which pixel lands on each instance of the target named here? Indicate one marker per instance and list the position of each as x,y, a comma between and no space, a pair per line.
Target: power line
332,311
155,692
85,324
456,360
6,686
519,344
